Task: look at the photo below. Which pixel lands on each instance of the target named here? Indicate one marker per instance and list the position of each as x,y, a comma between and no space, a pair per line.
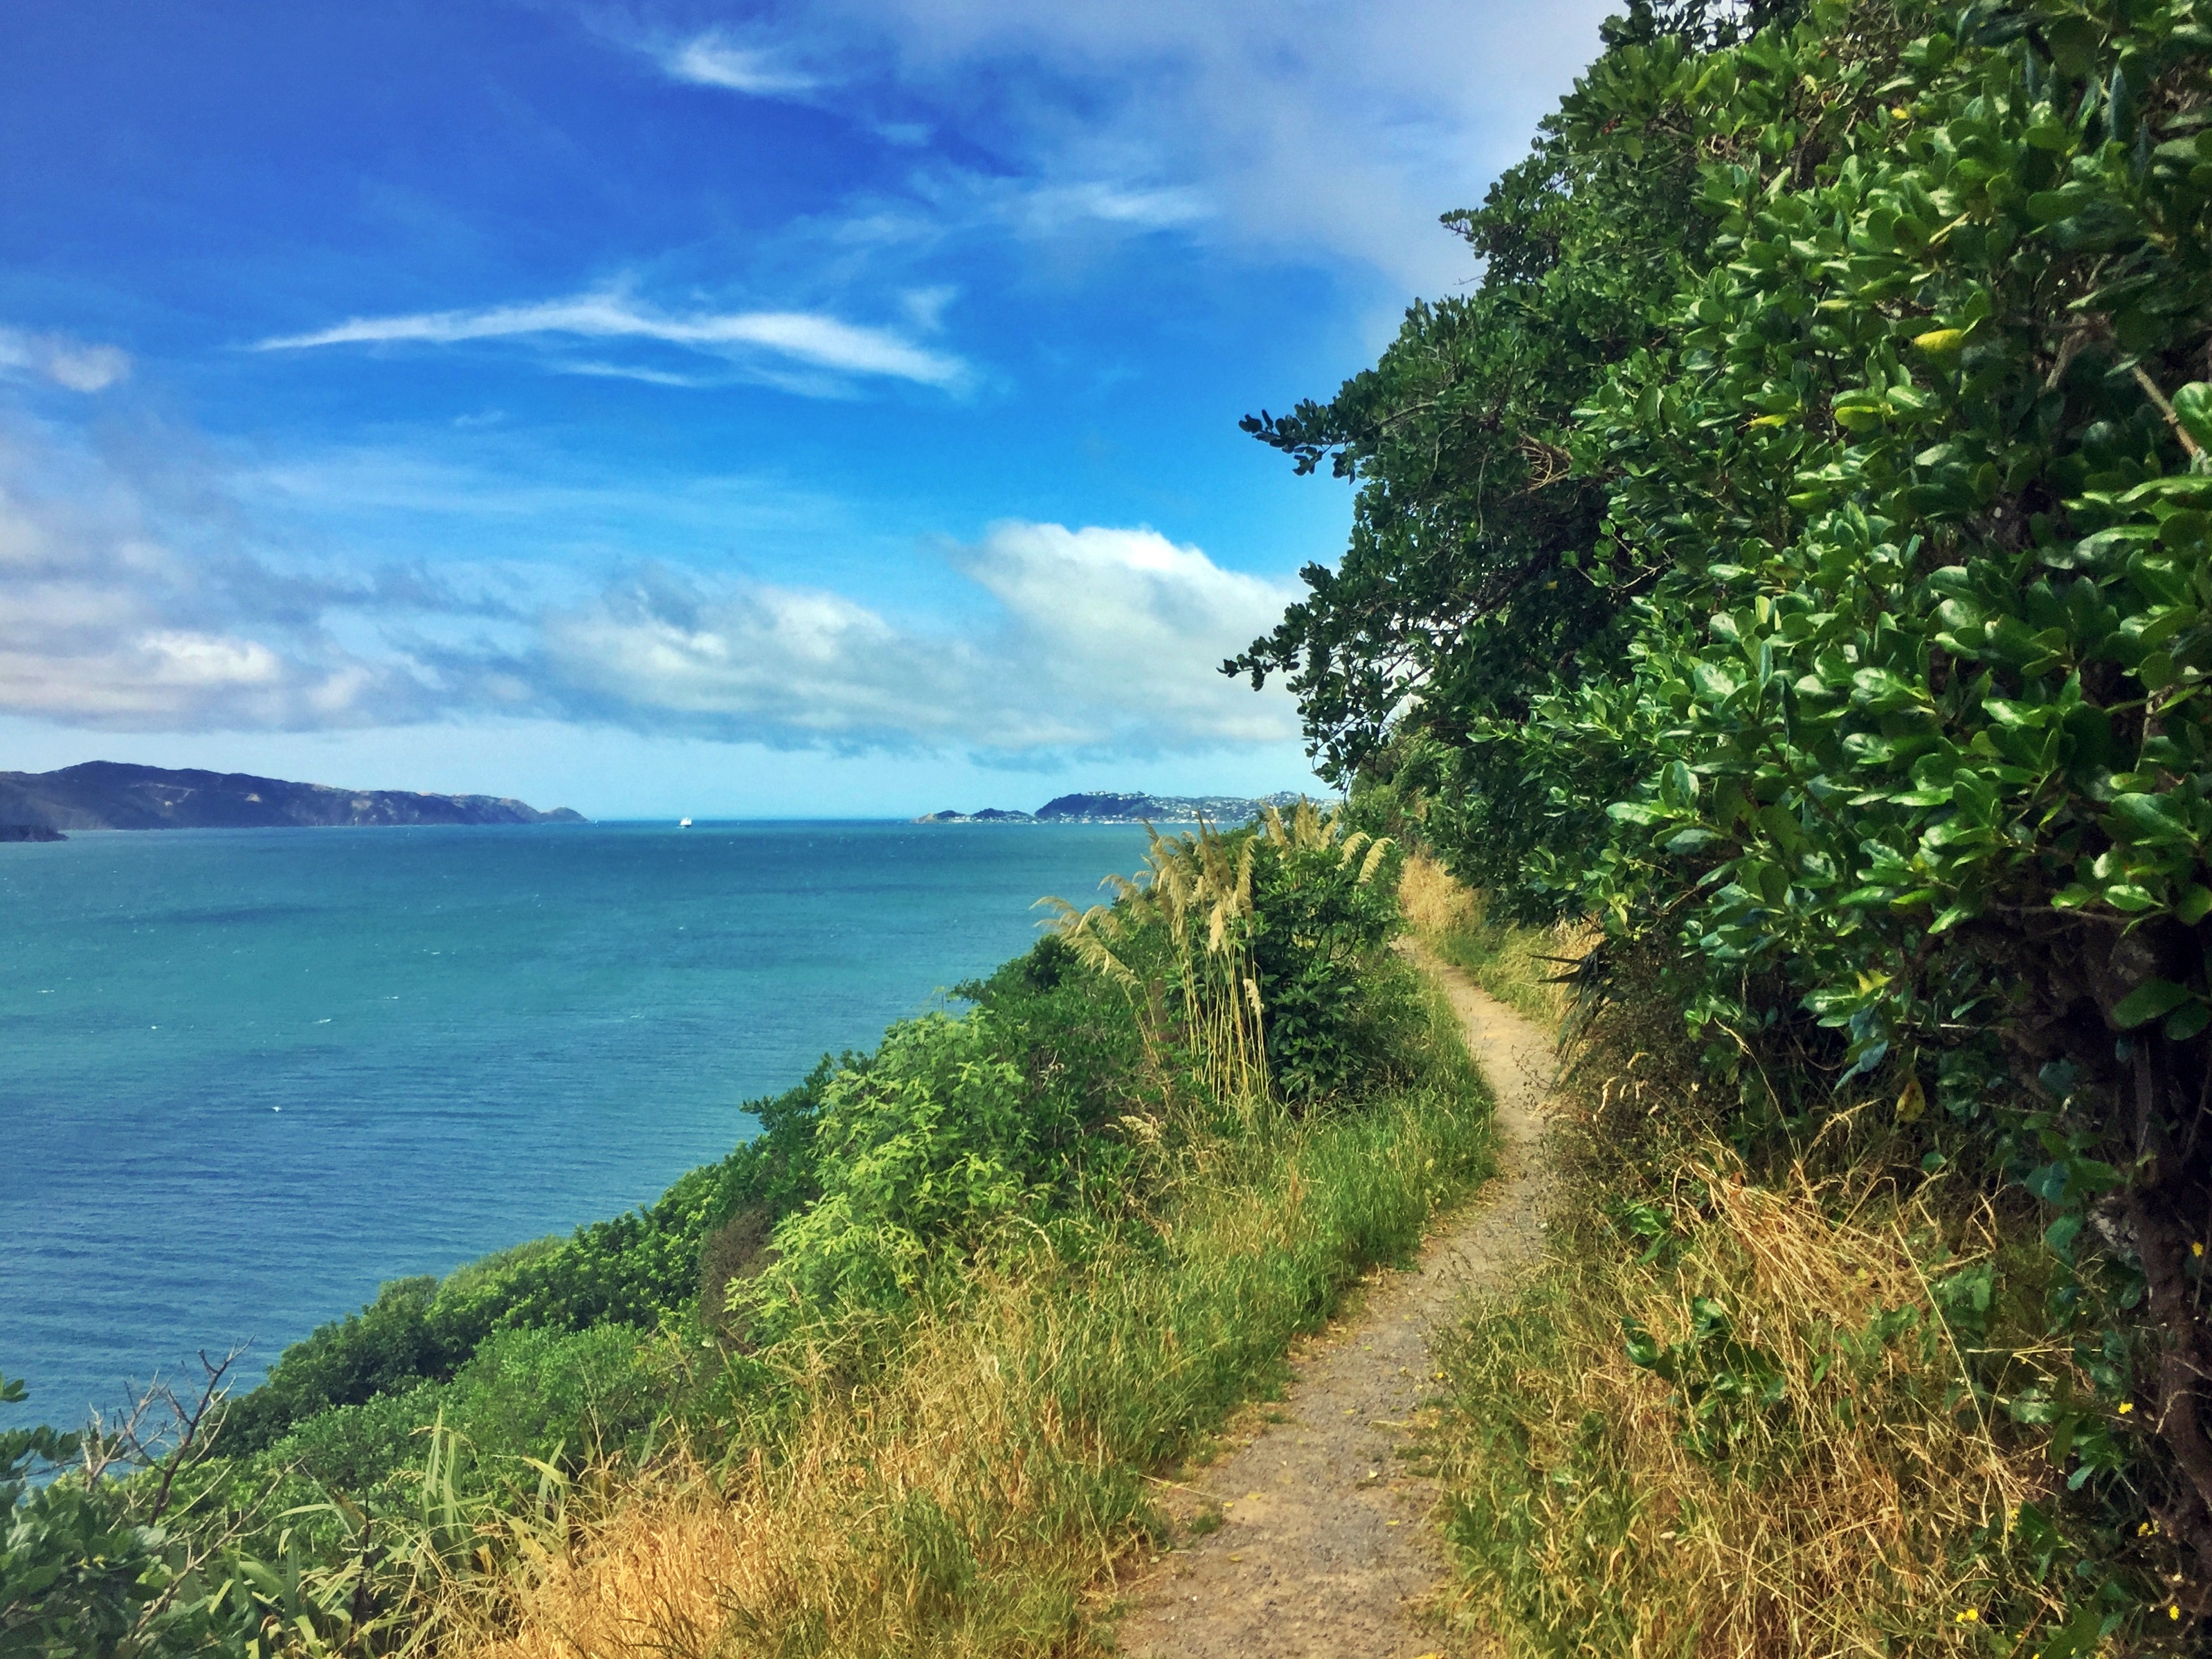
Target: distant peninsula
1108,806
109,795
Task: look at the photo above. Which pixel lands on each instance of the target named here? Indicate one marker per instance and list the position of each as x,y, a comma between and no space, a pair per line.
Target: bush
920,1154
640,1270
1798,555
567,1396
358,1448
1322,918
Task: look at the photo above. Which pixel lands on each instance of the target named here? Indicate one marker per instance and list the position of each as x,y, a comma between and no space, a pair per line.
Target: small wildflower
2126,1405
2143,1531
1969,1617
2174,1611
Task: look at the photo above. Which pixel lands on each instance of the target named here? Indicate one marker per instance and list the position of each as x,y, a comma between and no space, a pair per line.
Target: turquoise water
245,1076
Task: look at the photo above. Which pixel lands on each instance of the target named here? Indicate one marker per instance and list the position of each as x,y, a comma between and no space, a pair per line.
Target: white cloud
808,338
713,59
72,364
1105,641
1122,633
1304,128
1052,207
131,600
137,593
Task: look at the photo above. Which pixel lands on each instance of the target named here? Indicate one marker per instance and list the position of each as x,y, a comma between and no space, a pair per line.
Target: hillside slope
109,795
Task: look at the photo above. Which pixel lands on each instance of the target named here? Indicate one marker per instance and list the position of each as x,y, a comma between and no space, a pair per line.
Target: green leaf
2149,999
2192,405
2185,1022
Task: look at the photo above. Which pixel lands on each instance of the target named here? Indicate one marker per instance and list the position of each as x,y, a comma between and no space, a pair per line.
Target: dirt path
1325,1548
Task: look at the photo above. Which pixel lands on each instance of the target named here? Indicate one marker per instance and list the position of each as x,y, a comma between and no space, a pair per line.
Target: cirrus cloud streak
809,338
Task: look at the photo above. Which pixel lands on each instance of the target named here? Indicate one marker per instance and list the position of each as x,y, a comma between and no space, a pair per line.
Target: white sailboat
683,823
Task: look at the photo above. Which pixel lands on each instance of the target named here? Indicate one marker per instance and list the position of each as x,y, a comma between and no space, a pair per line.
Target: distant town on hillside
1108,806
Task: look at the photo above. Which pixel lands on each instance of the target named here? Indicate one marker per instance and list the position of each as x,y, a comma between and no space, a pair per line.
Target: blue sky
739,410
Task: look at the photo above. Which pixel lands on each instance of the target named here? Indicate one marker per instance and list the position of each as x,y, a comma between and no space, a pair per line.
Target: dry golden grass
1432,899
1514,964
1849,1497
1847,1517
948,1509
973,1495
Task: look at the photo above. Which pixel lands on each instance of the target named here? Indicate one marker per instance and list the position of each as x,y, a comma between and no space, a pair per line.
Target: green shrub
640,1270
574,1394
73,1567
922,1152
357,1448
1798,554
1322,919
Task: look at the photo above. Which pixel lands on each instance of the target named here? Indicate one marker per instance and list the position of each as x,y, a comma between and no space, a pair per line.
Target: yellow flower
1969,1617
2126,1405
2173,1613
2196,1249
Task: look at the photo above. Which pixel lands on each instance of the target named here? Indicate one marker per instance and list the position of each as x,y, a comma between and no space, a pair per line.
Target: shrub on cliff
639,1270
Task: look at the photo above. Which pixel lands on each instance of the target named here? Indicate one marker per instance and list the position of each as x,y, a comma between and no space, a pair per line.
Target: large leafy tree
1872,349
1466,592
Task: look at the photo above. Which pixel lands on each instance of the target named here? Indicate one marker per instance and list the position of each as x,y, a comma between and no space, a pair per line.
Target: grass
1796,1470
977,1493
1729,1414
1516,965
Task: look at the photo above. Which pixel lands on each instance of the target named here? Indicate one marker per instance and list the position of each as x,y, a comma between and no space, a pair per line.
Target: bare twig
2151,392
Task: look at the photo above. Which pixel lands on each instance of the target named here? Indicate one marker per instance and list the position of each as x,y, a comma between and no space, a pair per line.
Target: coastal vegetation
894,1376
1772,647
1790,565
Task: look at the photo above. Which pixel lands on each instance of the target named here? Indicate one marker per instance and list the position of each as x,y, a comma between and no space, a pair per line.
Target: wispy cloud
1052,207
635,372
1319,132
142,591
714,59
810,339
74,365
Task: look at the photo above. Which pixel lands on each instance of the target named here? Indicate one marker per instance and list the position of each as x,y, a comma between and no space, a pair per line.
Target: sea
247,1076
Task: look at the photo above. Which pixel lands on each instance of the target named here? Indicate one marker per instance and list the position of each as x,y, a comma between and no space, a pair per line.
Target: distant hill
988,815
107,795
1108,806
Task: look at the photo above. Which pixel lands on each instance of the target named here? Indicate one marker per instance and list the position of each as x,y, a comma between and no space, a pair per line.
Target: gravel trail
1326,1547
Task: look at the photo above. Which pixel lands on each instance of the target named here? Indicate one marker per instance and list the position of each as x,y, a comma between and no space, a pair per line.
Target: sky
768,410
